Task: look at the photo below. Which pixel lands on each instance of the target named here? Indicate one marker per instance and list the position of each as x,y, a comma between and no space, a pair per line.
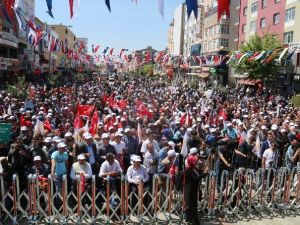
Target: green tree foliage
258,69
19,89
147,69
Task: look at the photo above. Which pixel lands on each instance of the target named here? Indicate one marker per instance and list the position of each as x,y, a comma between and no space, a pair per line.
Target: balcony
8,39
211,11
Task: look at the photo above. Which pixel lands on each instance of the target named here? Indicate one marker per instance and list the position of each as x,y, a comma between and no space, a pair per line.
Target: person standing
192,181
59,160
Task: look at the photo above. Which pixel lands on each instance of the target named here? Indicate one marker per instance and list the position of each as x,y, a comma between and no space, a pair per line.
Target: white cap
229,124
37,158
172,144
123,119
81,157
87,136
206,126
110,128
221,118
171,153
127,130
193,151
56,139
274,127
213,130
48,140
120,130
292,124
68,134
136,158
119,134
105,135
263,127
283,130
24,128
61,145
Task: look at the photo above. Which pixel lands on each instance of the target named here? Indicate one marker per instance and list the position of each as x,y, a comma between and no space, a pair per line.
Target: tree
19,89
259,69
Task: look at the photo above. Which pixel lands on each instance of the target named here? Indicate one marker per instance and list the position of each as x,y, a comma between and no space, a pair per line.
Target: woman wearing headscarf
193,177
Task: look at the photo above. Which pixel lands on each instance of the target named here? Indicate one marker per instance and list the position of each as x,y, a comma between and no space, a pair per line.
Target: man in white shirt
137,172
151,162
120,148
151,140
81,167
111,167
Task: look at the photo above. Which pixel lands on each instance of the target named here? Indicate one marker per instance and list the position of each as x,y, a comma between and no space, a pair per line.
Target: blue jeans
58,182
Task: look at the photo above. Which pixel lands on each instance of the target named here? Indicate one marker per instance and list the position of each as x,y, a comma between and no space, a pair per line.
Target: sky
129,25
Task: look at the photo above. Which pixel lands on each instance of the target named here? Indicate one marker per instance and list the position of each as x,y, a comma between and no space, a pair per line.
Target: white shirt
144,146
149,159
78,168
119,147
135,175
106,167
269,155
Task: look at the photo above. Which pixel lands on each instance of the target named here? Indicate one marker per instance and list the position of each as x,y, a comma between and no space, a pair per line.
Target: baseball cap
37,158
105,135
81,157
61,145
193,151
171,153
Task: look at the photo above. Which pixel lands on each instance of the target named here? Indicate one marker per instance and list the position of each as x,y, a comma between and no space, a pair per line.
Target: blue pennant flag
105,50
107,2
192,6
49,5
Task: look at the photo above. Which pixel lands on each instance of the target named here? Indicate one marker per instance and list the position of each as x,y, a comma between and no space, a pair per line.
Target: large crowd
146,127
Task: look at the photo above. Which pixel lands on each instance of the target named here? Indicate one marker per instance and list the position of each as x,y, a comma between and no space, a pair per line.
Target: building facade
69,38
193,29
178,31
170,38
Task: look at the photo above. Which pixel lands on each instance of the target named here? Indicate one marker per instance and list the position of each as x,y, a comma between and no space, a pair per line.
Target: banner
5,132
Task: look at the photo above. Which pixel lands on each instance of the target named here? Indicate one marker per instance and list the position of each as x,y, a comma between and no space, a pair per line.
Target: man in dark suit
90,152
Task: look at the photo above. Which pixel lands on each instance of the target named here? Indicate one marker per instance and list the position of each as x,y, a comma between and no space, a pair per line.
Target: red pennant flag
111,51
223,7
94,123
47,125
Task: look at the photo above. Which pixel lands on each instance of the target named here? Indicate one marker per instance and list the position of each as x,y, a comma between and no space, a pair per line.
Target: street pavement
274,221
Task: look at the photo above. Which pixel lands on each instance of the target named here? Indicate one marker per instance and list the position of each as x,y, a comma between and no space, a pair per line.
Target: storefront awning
249,81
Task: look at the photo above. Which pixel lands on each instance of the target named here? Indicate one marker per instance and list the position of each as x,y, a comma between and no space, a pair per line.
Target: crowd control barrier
241,194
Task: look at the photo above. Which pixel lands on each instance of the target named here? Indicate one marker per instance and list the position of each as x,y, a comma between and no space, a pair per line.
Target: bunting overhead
49,5
74,7
192,6
161,8
223,8
107,3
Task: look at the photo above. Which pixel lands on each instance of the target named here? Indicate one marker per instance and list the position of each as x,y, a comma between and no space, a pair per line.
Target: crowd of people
146,127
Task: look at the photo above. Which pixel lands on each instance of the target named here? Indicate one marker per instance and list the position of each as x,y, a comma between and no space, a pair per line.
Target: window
277,1
66,31
223,42
288,37
263,4
254,7
253,26
243,28
276,18
298,59
224,29
290,14
262,22
245,11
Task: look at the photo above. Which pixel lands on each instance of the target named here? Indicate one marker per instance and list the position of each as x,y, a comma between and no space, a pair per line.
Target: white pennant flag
161,8
9,111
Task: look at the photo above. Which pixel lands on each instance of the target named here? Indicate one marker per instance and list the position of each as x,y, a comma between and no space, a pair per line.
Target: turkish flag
223,7
47,125
142,110
85,110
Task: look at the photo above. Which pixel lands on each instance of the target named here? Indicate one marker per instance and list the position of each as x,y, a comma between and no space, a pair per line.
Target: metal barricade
243,195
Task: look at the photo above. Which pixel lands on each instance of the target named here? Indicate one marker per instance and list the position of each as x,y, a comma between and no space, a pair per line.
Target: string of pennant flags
110,54
191,5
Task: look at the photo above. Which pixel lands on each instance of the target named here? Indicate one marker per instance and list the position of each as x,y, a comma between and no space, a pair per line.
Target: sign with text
5,132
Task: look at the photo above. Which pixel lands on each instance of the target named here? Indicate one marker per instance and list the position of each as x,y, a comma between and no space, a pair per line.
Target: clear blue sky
127,26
